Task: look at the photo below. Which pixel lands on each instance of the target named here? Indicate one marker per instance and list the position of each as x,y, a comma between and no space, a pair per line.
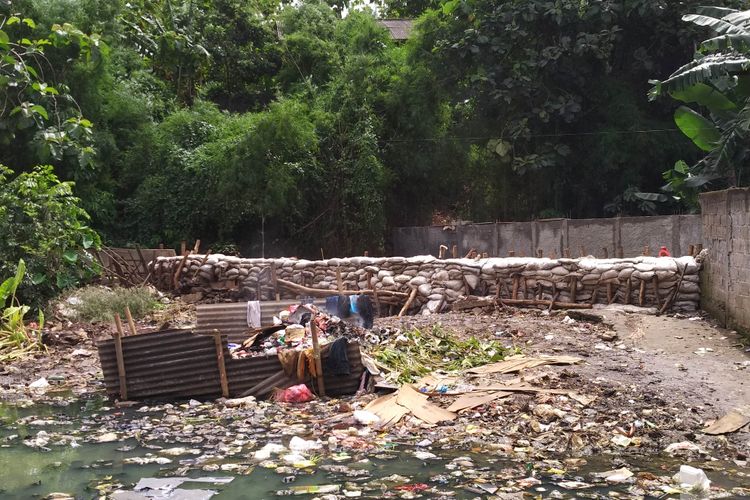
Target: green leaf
20,272
40,111
71,256
718,25
701,131
705,95
38,279
450,6
6,289
13,20
739,42
88,241
29,22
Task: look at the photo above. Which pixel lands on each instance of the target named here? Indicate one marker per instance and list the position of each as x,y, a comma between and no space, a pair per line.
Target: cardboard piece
731,422
474,399
517,363
394,407
417,403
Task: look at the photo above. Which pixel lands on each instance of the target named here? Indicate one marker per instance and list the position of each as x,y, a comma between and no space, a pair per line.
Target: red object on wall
663,252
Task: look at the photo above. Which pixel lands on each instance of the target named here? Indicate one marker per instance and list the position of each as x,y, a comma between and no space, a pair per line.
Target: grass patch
422,353
95,303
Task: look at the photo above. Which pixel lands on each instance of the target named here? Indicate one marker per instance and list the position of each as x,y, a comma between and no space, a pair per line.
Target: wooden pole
407,305
367,253
605,250
131,323
275,282
220,361
183,247
566,252
691,250
583,251
511,253
642,293
322,255
539,253
573,288
176,282
203,262
120,360
628,287
441,251
609,293
515,288
197,246
454,251
655,281
316,357
315,292
142,259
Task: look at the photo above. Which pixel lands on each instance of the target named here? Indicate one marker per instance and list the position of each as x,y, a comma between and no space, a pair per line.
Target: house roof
399,28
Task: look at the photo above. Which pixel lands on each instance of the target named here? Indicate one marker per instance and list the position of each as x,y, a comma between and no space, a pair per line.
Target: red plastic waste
663,252
294,394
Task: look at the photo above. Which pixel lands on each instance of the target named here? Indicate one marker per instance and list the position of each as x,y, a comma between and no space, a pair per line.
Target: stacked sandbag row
439,282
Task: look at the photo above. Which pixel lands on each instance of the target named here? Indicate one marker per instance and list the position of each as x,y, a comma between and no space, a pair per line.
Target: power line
530,136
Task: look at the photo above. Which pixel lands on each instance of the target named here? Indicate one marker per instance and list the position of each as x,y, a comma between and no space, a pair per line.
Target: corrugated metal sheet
231,318
180,364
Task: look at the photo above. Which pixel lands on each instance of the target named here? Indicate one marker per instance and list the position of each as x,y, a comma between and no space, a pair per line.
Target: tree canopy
295,127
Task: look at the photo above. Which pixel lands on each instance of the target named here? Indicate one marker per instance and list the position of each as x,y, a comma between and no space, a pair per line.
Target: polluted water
87,448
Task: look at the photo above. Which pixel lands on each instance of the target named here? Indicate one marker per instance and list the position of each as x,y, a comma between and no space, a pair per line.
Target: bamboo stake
441,251
655,281
197,246
610,298
179,270
316,357
120,360
454,251
203,262
220,361
566,252
411,298
628,287
511,253
275,282
573,288
515,288
131,323
606,252
314,292
642,293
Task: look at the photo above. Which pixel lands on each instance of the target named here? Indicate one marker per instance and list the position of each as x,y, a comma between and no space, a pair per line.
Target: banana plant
715,88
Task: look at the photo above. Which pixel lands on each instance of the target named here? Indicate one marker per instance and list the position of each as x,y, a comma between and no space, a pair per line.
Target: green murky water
85,469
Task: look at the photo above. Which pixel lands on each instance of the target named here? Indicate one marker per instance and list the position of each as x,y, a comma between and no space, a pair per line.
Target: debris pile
432,284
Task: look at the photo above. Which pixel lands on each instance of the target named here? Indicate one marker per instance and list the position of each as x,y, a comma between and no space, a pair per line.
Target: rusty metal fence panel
181,364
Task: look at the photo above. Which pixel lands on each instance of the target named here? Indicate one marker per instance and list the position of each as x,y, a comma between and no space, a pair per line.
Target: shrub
42,223
96,303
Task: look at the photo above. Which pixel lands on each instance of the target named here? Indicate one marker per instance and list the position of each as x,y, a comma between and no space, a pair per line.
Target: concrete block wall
725,280
624,237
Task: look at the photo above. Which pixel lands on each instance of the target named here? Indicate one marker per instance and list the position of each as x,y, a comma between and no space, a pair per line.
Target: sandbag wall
648,281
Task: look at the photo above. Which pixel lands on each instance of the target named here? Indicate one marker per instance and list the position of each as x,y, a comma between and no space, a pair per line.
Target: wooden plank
222,366
122,377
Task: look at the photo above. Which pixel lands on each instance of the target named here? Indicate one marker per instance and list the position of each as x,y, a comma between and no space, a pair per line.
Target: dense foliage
303,127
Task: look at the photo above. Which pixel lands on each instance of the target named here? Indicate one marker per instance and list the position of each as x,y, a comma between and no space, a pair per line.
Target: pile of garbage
344,317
